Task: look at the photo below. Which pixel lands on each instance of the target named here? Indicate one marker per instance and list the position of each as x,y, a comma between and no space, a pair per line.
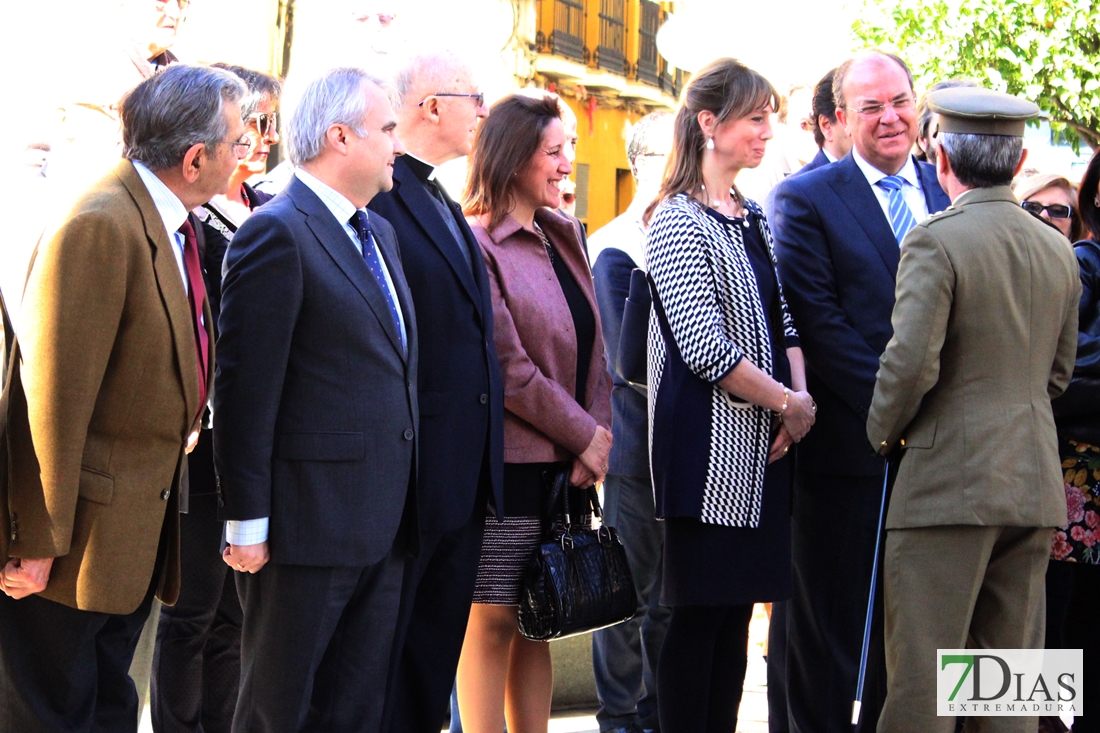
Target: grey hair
337,97
981,161
180,106
435,70
642,134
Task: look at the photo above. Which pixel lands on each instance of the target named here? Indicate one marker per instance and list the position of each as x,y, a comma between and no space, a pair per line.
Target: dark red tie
197,294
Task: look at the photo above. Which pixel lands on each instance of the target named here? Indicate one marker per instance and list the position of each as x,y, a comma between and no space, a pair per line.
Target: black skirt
714,565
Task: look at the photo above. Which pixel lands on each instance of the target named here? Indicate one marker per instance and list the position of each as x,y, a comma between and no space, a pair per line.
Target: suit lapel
419,201
934,196
335,240
851,186
170,284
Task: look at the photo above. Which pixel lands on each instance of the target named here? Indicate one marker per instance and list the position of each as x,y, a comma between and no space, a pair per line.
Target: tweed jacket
985,333
536,343
104,398
707,314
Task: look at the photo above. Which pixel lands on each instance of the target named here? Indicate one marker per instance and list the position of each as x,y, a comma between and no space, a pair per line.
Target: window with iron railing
646,70
611,51
566,37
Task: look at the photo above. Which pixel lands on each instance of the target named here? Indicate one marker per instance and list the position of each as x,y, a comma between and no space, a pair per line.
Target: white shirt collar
171,209
333,200
829,156
908,171
435,169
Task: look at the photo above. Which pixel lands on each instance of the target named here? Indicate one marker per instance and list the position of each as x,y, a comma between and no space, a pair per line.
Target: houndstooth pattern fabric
707,289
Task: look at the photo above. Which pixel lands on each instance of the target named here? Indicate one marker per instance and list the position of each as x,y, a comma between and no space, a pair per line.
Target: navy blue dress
715,565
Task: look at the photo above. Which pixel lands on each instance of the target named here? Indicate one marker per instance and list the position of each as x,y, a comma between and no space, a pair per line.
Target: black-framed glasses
874,109
266,122
1054,211
479,98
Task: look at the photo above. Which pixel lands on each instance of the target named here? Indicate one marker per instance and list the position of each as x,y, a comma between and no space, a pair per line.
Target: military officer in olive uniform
985,334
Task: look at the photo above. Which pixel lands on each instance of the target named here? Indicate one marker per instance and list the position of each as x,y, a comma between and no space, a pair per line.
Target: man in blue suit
315,440
460,390
837,233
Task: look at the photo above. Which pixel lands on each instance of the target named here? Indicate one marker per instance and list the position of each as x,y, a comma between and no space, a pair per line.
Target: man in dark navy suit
461,396
317,418
837,233
832,139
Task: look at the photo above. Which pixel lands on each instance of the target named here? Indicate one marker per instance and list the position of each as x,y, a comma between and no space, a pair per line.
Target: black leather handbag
578,579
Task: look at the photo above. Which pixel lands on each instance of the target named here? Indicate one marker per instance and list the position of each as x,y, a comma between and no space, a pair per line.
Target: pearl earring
710,143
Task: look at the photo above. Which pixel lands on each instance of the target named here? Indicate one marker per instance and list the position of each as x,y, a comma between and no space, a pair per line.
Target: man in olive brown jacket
985,334
115,358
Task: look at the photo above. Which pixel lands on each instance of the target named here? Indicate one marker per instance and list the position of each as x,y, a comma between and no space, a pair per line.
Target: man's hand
246,558
22,577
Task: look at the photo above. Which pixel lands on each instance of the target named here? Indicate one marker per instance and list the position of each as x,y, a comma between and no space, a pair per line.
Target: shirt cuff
242,532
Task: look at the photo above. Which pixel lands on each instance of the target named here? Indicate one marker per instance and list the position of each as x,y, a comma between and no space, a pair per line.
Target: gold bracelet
786,397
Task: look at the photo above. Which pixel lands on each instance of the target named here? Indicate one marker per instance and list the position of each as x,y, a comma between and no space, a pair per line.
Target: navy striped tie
901,216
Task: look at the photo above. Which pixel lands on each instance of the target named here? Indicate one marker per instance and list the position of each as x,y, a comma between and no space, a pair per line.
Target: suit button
165,494
484,399
408,434
220,503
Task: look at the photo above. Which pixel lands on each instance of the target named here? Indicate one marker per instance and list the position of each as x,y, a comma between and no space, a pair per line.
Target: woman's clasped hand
800,414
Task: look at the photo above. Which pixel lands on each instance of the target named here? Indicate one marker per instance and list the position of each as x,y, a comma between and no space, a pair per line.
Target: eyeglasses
1054,211
874,109
479,98
266,122
240,147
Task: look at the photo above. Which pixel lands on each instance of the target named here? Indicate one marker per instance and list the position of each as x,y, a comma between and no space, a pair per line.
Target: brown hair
504,145
731,91
1025,188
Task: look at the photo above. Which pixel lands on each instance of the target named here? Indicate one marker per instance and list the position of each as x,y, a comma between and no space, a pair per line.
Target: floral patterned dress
1079,541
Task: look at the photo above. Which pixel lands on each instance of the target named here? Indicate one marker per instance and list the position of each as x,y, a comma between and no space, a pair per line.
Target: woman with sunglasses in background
1054,198
196,663
1073,575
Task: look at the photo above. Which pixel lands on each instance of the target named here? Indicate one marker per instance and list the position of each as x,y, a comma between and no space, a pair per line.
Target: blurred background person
727,398
831,137
1073,575
1054,198
923,149
624,656
196,662
556,393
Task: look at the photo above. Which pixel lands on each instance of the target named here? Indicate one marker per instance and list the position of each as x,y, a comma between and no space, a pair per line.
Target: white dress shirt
172,214
911,190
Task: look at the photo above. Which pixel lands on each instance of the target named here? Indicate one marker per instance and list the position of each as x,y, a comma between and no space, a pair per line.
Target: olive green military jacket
985,334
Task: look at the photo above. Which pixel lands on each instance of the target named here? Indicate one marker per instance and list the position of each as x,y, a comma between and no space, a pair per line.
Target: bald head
440,105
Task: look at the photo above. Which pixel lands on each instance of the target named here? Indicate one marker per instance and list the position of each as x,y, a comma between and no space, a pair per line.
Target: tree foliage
1047,51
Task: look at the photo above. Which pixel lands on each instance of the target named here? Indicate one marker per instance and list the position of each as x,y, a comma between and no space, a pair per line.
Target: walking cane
870,601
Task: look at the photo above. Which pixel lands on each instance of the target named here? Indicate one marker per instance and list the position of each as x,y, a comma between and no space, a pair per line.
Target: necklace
736,202
545,243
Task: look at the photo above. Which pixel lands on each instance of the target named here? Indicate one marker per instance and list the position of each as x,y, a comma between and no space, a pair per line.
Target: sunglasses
266,122
1054,211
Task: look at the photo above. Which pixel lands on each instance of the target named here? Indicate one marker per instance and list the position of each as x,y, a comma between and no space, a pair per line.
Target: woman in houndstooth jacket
727,398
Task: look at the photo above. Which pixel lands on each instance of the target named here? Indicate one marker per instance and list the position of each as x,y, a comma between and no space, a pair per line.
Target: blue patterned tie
901,216
361,225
